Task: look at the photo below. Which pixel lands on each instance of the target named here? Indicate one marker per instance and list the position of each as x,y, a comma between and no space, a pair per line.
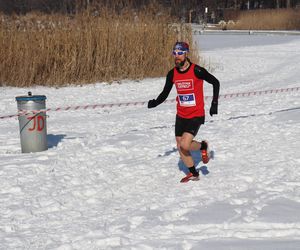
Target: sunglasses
179,53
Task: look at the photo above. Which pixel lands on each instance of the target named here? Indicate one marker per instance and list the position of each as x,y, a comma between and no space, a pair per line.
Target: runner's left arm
202,73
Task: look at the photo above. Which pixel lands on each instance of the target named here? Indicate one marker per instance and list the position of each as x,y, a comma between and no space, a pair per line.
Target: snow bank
110,179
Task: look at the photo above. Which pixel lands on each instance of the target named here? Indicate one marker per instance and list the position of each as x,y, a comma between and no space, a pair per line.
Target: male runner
188,79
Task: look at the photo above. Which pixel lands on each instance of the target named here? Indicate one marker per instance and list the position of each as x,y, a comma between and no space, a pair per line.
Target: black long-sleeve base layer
200,73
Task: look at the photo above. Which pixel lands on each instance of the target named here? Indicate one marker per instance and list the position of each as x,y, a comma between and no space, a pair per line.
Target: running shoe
190,177
204,152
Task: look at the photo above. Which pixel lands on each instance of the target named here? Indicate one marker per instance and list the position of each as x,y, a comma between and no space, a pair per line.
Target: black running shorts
188,125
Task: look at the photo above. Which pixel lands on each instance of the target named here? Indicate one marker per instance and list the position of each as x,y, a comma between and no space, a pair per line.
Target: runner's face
179,57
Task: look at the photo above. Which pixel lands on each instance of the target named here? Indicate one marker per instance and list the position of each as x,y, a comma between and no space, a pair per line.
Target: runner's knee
184,146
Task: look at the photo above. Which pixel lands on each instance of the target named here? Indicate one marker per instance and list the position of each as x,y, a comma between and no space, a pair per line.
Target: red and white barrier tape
126,104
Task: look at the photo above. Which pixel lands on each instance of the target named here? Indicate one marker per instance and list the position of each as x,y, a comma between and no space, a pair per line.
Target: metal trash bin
33,129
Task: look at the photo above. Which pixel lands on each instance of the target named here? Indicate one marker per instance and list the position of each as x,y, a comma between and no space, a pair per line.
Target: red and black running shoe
204,152
190,177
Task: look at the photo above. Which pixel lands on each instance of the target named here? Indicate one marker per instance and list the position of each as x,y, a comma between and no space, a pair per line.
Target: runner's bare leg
185,143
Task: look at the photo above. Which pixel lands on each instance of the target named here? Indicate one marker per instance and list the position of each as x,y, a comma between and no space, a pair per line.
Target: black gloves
152,104
213,108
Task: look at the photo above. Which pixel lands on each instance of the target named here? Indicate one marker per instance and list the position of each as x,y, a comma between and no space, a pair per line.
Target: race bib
187,100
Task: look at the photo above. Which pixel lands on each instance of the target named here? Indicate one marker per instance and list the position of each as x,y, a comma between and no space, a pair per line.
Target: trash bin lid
31,98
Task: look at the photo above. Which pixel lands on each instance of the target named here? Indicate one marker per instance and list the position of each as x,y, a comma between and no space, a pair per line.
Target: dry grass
279,19
57,50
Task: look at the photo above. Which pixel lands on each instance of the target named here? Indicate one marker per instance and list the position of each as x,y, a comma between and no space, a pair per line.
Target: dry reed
57,50
279,19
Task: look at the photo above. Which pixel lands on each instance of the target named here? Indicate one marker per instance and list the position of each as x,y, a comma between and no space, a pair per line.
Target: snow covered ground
110,178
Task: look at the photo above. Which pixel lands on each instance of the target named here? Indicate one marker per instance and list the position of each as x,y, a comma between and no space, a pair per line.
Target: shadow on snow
54,140
196,157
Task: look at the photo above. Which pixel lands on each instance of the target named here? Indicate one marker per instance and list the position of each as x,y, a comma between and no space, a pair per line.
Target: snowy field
111,177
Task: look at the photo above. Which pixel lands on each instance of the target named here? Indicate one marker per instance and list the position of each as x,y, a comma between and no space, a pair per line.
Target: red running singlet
190,101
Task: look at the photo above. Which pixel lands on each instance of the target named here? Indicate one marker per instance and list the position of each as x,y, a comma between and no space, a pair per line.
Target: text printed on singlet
186,99
184,85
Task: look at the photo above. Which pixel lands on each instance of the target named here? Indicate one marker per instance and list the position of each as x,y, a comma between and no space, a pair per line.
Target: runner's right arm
165,93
